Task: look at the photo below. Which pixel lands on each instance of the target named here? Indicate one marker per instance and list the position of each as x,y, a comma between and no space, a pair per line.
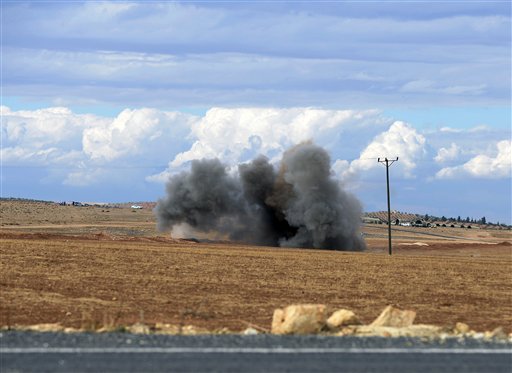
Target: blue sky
103,101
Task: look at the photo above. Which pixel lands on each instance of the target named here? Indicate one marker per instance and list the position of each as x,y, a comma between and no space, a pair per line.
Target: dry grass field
81,264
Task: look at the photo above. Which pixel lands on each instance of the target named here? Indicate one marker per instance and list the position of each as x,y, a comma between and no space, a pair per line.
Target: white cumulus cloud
401,140
448,154
83,146
483,165
235,135
134,132
46,136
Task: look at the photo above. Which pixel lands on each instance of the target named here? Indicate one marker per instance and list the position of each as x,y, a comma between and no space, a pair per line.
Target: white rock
250,331
138,328
47,327
299,319
394,317
497,333
342,318
461,328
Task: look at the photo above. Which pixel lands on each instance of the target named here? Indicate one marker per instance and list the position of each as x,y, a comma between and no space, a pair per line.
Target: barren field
89,264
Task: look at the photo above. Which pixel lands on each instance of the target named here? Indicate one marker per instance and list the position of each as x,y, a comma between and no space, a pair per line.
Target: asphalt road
118,352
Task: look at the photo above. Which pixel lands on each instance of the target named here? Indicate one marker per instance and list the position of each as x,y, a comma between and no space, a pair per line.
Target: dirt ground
77,265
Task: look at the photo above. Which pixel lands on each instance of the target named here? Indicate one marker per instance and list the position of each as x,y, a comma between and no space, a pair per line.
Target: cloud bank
154,138
139,149
173,55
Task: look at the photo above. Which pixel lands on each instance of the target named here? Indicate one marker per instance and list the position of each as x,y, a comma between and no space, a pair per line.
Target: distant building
368,220
421,223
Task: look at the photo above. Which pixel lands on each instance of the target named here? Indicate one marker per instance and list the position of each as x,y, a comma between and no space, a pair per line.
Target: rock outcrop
392,322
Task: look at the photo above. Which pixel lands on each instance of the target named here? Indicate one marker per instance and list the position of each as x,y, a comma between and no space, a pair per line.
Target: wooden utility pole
388,163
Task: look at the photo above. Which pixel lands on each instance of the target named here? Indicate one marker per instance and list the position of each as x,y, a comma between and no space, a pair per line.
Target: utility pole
388,163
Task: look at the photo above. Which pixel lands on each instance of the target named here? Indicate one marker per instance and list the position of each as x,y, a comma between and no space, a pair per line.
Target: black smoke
297,205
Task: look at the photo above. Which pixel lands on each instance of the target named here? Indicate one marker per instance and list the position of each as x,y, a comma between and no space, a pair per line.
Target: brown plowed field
70,266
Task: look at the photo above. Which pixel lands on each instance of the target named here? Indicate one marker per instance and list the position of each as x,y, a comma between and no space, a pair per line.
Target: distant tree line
459,219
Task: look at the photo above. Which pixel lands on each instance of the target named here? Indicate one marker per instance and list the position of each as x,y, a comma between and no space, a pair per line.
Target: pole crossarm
388,162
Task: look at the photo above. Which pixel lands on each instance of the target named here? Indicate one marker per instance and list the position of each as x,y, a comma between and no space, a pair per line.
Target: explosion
297,205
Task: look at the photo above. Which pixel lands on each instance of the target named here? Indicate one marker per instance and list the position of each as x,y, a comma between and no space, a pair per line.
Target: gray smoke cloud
297,205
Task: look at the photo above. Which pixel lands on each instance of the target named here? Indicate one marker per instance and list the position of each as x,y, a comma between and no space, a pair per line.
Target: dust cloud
298,204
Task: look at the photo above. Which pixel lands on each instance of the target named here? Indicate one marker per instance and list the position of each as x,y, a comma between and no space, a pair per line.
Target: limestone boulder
299,319
394,317
164,328
277,321
138,328
461,328
497,333
342,318
250,331
46,327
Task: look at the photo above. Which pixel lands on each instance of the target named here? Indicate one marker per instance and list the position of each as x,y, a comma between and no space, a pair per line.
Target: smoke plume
297,205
